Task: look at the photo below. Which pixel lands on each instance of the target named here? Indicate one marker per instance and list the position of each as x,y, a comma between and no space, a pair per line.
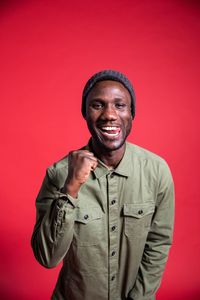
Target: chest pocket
137,219
88,226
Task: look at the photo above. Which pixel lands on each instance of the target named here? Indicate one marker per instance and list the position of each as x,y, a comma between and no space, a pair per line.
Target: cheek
127,127
91,121
92,116
126,120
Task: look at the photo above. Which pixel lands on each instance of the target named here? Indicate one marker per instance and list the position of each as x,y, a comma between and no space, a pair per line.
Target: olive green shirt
115,237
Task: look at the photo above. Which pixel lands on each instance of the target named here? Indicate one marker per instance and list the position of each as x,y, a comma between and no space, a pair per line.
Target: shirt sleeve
158,241
53,231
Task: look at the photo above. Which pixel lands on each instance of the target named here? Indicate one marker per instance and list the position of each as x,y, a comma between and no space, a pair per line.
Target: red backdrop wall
48,51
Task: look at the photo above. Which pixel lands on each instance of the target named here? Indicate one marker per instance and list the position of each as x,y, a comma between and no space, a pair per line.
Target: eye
96,105
120,105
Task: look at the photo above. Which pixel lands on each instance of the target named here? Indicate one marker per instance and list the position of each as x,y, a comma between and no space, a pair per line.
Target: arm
55,208
53,231
158,241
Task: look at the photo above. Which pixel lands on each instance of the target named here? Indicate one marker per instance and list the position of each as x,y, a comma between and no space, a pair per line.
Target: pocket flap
138,210
86,215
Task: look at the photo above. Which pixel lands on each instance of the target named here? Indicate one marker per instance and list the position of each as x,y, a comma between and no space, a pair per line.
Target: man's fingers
94,165
83,153
93,159
83,158
88,155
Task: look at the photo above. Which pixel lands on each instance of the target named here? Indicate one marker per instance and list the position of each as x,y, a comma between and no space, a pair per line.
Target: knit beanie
108,75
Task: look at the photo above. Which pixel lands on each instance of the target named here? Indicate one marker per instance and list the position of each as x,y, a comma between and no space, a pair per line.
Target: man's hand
81,162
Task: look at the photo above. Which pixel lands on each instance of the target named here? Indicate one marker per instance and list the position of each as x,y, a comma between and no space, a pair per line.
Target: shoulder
58,165
148,158
57,172
144,154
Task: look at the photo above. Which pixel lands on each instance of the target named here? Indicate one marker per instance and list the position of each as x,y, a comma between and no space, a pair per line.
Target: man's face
108,114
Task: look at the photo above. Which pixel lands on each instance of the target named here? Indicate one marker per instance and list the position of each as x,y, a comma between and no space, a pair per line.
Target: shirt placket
113,233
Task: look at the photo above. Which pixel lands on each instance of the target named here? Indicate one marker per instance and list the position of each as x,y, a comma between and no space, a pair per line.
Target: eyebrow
101,99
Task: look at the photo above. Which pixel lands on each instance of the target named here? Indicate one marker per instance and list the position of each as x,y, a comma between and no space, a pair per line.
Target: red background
48,51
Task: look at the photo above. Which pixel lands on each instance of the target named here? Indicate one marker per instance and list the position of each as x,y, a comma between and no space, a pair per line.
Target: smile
111,131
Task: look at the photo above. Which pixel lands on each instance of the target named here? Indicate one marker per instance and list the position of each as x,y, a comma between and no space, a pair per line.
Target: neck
110,158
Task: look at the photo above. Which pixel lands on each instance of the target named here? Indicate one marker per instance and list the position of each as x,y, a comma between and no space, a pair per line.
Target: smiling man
107,209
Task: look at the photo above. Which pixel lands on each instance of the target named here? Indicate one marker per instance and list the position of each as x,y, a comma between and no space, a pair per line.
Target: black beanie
108,75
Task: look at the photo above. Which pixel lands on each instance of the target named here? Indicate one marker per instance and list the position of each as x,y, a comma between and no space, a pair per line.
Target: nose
109,113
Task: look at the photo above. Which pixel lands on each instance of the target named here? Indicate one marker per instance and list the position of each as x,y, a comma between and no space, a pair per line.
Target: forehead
109,89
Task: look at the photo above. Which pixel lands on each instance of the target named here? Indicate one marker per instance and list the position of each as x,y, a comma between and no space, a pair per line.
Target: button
112,175
86,217
113,278
113,228
113,201
113,253
140,212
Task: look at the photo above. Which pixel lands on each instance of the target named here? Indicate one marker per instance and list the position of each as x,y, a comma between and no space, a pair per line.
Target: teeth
109,128
113,134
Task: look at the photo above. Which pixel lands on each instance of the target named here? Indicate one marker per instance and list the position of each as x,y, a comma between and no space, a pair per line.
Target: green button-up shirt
115,237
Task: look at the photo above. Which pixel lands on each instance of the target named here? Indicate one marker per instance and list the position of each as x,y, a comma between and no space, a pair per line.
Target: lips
110,131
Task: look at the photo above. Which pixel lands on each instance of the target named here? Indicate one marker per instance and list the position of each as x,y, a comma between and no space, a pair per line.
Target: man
106,210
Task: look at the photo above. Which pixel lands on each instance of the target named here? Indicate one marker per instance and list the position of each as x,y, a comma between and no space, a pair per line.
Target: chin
110,146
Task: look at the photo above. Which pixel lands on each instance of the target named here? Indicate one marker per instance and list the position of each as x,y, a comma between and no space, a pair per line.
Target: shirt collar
124,168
